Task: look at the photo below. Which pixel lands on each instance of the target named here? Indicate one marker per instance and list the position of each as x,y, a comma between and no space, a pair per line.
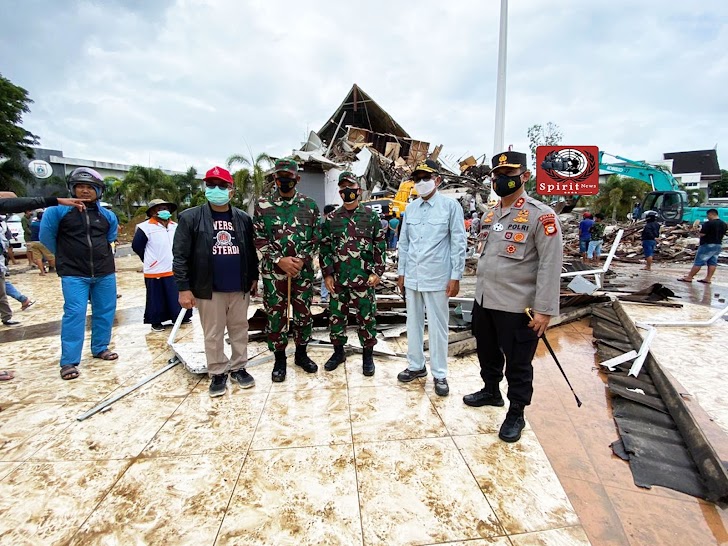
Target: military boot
337,358
368,361
488,396
302,360
279,367
511,428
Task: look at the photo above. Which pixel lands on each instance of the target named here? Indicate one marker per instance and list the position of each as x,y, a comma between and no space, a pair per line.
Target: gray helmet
86,175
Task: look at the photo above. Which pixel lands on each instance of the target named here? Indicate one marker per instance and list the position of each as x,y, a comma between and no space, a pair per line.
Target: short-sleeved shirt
584,226
597,231
226,259
394,224
712,232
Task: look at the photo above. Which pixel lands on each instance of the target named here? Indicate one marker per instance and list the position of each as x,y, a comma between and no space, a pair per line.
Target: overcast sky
179,83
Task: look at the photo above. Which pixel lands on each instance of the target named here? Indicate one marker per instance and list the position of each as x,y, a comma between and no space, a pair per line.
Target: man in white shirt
432,248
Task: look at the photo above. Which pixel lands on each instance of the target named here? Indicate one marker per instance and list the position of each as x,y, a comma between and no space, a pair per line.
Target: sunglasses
285,178
425,177
217,184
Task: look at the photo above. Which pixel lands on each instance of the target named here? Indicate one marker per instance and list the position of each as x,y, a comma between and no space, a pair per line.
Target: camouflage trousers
275,298
365,308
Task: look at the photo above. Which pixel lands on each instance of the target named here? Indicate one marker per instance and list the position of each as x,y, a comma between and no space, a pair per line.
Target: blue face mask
164,215
217,196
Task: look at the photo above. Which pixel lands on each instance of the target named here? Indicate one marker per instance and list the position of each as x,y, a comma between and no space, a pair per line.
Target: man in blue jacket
81,241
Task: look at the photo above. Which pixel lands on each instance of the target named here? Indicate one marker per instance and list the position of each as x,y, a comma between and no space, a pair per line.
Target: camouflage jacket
352,246
286,228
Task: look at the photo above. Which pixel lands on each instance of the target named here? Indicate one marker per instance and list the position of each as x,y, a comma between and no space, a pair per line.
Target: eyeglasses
217,184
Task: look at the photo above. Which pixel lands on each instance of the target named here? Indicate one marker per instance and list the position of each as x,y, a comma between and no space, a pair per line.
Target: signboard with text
567,170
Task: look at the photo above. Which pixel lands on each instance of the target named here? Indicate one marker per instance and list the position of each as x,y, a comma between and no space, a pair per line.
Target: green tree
615,197
15,142
142,184
622,202
538,135
249,182
720,188
187,186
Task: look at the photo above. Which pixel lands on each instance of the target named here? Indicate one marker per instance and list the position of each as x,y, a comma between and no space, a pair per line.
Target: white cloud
189,82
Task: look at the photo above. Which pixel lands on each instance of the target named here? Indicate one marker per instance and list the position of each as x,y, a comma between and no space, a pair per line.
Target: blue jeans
14,292
706,255
595,247
76,293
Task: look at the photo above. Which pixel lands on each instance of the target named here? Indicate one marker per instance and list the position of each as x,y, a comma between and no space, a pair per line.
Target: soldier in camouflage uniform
286,234
352,261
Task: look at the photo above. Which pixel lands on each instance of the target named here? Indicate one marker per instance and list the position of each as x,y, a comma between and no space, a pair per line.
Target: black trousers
505,338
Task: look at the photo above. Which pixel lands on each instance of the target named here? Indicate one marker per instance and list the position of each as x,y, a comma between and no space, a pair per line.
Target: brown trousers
225,309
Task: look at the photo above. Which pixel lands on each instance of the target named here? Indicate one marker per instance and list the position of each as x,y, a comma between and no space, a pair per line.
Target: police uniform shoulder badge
549,224
522,217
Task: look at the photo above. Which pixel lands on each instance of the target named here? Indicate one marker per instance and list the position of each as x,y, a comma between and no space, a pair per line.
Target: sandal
6,375
685,279
107,355
703,281
69,372
26,304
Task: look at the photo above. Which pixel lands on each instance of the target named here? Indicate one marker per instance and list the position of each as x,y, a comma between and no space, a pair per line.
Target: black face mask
287,184
349,195
504,185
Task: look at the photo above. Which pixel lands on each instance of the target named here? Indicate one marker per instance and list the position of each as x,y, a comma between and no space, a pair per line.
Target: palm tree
187,185
249,183
620,203
615,196
142,184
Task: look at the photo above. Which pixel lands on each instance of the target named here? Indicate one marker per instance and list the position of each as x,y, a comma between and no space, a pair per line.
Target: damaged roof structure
363,137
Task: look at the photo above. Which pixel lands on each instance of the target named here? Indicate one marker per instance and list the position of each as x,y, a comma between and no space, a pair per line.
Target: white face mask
425,187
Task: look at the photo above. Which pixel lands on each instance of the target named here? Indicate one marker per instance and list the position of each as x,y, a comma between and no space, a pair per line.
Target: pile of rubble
676,243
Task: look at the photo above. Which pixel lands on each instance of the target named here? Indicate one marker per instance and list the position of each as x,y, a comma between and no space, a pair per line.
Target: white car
16,228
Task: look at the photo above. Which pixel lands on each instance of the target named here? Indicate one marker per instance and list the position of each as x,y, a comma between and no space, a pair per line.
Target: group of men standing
216,268
209,260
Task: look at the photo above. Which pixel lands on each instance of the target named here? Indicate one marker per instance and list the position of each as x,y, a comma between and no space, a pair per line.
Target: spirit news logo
567,170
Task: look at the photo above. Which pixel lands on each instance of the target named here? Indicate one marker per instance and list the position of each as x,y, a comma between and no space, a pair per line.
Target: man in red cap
584,235
216,269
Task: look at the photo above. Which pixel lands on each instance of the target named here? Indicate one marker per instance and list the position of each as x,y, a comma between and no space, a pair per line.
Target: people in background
711,241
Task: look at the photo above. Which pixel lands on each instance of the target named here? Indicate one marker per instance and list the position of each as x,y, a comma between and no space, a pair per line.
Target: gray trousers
5,312
225,309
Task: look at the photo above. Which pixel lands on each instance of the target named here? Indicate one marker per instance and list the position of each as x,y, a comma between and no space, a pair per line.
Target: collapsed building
360,136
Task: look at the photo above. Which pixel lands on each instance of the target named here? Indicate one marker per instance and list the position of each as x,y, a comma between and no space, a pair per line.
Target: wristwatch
278,259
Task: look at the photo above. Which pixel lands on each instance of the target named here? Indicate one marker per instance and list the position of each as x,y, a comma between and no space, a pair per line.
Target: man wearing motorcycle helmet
81,241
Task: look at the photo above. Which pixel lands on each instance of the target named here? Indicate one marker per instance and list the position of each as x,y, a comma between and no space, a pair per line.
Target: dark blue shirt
651,231
226,258
35,230
584,226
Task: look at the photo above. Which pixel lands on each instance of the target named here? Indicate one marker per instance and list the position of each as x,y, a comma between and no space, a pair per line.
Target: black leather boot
511,428
279,367
304,361
488,396
337,358
368,361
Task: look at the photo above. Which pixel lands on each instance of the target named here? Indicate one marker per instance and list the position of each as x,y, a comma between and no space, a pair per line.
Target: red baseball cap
220,174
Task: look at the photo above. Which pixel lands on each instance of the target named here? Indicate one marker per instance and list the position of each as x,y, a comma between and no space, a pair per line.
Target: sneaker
484,397
410,375
441,387
11,322
27,303
218,385
158,327
513,425
243,378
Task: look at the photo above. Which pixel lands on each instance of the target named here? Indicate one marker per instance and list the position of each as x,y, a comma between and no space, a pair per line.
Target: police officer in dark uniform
519,267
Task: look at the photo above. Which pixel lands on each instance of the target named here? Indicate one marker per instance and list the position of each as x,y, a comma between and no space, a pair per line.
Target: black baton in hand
553,354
